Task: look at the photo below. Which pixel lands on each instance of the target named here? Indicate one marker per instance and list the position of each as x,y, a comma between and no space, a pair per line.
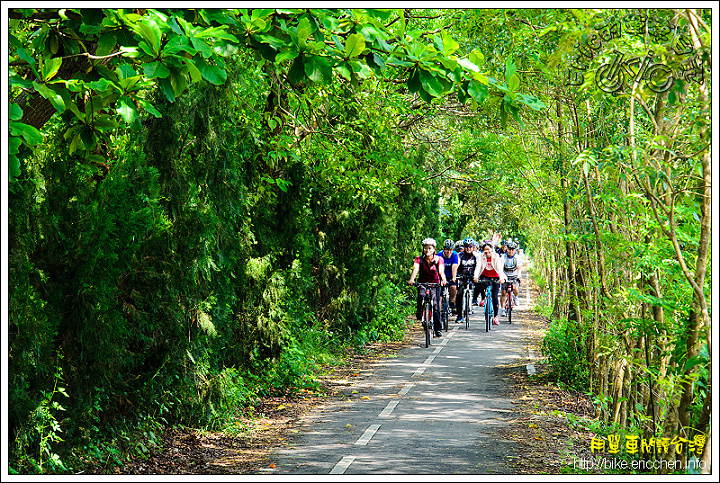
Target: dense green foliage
205,205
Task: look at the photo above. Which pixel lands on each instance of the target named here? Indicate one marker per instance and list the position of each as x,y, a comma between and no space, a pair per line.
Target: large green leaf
55,99
126,109
29,133
318,69
296,74
430,83
212,73
513,82
478,91
354,45
50,68
155,69
468,65
15,112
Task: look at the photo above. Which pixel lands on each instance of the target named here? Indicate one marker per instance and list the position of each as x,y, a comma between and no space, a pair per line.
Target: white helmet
429,241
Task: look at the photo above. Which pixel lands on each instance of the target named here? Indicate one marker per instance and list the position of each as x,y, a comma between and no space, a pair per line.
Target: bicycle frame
509,300
467,299
489,311
445,307
427,312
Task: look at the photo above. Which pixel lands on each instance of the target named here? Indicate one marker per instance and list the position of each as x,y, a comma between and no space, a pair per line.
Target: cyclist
512,266
491,272
459,247
468,266
502,249
431,269
451,261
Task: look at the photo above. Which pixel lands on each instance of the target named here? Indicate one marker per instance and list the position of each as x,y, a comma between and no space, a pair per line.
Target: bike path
432,410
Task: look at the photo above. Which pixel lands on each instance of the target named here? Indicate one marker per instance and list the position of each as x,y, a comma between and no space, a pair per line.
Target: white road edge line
368,434
385,413
342,465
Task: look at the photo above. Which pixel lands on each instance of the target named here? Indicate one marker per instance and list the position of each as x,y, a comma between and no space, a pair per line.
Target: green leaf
318,69
430,83
478,91
514,82
106,44
509,69
195,73
29,133
55,99
296,74
414,84
449,45
151,33
212,73
155,69
149,108
14,143
344,70
105,122
51,67
354,45
304,30
468,65
15,112
13,167
126,108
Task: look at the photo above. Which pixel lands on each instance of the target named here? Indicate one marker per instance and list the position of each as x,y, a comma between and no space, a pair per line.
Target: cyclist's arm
454,271
441,269
416,269
500,268
478,267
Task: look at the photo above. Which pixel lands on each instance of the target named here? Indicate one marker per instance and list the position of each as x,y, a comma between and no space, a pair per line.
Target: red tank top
488,270
429,272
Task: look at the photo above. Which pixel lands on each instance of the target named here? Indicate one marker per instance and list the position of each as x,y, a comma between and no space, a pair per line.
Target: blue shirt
449,262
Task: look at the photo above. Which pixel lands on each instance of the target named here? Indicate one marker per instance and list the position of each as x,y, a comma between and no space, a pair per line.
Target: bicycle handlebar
425,284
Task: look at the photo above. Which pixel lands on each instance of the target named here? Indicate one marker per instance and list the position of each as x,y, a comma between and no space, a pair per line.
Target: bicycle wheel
509,305
445,314
488,310
467,303
427,324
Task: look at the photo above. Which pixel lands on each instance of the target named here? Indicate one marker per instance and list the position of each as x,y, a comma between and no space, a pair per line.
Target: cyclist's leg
495,302
453,296
503,296
419,304
459,301
435,295
476,292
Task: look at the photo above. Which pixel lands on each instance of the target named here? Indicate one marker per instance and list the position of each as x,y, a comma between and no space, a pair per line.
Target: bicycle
445,307
468,289
427,313
510,301
489,311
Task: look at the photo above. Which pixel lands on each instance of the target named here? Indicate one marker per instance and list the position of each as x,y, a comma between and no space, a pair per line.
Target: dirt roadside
545,442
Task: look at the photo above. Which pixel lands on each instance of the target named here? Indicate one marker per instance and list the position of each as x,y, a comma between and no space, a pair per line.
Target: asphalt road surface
432,410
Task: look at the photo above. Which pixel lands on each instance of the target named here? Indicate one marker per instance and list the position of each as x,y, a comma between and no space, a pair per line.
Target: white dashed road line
406,388
388,409
346,461
342,465
367,435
